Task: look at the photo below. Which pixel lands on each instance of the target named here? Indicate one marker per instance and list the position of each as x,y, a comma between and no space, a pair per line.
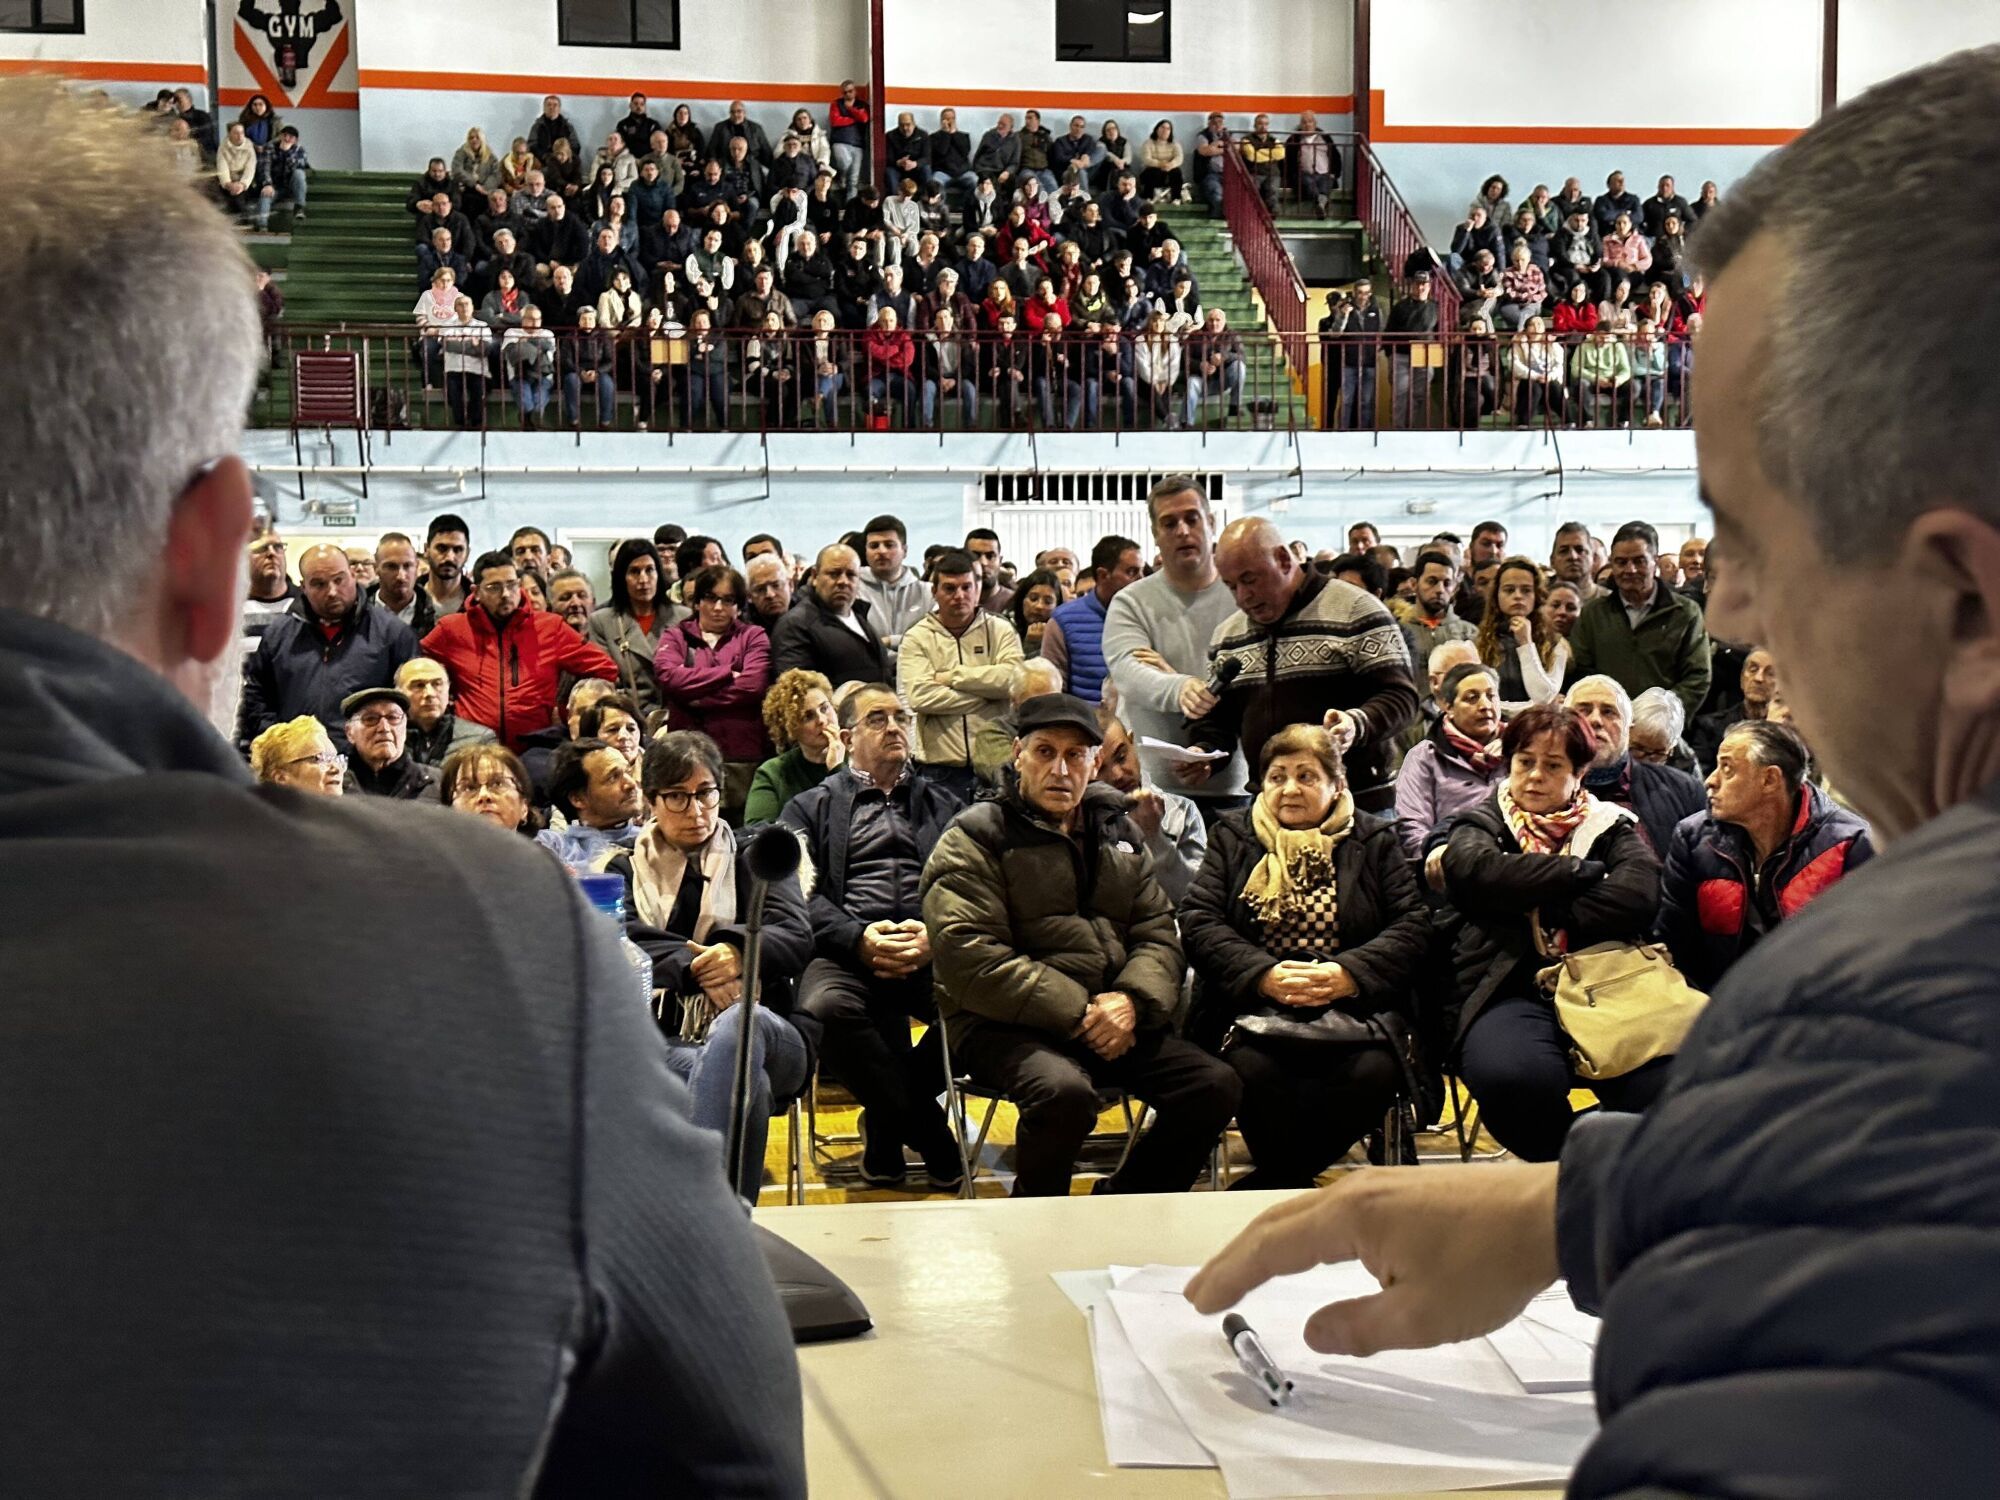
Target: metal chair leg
954,1108
795,1165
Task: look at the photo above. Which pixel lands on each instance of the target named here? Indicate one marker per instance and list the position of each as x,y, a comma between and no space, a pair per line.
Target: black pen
1255,1360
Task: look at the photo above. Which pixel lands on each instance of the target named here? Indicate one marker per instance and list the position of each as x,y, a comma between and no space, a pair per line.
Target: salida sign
290,34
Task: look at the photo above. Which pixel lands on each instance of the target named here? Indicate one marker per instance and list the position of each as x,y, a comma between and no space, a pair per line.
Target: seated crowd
1077,822
722,278
1569,309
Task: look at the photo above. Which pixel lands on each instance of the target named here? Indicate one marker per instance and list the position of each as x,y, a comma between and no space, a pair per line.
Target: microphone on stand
818,1304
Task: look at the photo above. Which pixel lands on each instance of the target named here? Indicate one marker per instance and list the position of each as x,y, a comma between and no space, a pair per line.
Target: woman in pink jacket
713,672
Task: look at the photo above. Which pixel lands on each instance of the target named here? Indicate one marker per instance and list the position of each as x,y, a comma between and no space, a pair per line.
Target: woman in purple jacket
1455,765
713,671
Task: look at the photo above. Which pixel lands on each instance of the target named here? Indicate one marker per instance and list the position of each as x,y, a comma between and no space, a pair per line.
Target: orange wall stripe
260,72
658,90
104,72
321,88
1562,135
1016,99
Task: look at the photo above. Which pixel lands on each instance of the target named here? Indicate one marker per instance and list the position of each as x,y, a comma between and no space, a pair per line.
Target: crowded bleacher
669,276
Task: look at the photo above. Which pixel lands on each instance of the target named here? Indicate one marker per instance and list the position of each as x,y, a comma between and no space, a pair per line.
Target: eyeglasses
729,599
466,791
376,721
882,718
324,760
680,801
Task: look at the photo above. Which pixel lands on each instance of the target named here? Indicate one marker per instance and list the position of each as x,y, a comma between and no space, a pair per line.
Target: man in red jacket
506,660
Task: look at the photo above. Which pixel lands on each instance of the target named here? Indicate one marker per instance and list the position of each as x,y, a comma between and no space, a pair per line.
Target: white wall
1880,38
130,48
429,70
1701,89
986,56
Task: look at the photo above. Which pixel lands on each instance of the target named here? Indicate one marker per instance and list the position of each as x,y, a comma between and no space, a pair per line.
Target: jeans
1316,185
847,162
1231,380
1357,395
1072,401
708,396
1053,1082
964,181
607,398
1210,187
777,1071
294,191
1515,1059
867,1047
965,396
531,394
828,388
898,390
1653,393
1410,392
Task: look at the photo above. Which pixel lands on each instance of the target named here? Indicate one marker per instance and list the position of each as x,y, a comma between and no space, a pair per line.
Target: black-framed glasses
680,801
729,599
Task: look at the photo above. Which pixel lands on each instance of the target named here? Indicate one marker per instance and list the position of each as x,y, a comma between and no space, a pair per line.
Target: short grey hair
1869,419
1610,685
1662,712
106,420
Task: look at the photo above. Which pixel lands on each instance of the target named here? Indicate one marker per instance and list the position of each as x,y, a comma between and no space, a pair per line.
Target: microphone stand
818,1304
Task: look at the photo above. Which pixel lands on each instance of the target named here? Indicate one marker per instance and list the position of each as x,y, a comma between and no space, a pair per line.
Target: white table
976,1380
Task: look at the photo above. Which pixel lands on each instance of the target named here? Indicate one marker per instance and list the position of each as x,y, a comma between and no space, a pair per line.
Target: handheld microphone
1222,674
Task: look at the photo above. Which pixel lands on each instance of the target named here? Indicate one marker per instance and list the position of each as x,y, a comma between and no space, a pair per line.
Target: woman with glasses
686,884
488,781
713,671
299,754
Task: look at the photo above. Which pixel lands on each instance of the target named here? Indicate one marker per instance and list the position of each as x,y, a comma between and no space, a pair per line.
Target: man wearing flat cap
1058,968
378,729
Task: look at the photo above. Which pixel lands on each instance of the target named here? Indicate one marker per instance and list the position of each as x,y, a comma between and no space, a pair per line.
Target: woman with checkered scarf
1305,910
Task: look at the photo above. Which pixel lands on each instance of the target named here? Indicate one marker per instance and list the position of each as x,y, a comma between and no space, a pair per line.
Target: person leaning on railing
1602,369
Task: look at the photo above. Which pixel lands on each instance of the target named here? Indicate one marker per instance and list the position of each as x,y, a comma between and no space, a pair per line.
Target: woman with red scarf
1455,766
1541,852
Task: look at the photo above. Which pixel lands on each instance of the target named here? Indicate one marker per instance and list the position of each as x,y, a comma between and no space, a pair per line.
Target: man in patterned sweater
1309,650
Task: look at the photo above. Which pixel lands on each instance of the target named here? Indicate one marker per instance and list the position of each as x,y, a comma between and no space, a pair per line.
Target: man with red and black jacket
505,659
1770,843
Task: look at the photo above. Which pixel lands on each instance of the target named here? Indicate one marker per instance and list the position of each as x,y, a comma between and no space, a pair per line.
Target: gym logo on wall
294,49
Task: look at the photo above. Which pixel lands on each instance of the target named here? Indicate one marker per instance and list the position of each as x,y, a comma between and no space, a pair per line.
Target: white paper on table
1082,1287
1550,1346
1172,753
1141,1428
1429,1419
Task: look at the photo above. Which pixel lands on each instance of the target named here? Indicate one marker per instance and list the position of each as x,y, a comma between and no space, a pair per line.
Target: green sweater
777,781
1669,648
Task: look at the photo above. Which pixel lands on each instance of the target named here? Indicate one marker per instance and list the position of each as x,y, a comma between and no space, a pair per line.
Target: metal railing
1095,379
1392,230
1265,259
1453,381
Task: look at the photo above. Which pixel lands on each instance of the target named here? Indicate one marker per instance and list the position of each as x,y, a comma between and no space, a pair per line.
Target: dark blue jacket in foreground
1796,1251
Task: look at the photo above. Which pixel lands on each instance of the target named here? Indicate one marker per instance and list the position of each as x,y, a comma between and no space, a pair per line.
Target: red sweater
1572,317
506,679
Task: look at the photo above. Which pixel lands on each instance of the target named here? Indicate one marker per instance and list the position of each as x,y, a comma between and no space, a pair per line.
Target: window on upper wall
618,23
41,15
1114,30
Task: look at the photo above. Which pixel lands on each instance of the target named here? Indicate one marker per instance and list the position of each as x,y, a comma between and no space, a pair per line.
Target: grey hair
1661,711
105,421
1867,420
1611,685
674,757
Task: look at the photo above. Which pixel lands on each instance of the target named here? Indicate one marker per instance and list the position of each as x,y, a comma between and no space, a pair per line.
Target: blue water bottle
607,894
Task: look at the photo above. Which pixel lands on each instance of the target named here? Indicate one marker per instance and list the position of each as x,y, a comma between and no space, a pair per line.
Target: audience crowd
1086,823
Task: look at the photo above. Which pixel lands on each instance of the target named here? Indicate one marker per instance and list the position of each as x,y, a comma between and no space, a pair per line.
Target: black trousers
1054,1085
1515,1059
867,1047
1298,1117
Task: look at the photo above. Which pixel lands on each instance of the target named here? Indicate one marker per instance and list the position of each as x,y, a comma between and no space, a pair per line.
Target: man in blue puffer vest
1074,639
1770,843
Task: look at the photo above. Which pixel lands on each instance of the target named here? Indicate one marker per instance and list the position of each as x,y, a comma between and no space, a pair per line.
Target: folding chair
960,1087
1465,1122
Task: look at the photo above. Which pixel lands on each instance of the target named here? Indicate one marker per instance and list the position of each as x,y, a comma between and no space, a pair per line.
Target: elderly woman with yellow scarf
1305,928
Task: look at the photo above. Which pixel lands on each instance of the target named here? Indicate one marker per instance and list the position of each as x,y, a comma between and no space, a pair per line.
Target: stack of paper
1171,1395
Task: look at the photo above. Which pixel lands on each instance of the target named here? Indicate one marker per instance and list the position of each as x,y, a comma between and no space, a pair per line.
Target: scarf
658,867
1295,859
1485,759
1544,833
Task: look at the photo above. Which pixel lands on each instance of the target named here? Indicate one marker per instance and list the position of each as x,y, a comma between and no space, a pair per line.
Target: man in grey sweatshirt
1156,636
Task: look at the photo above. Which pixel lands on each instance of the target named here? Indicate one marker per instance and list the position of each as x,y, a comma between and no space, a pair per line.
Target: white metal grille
1035,511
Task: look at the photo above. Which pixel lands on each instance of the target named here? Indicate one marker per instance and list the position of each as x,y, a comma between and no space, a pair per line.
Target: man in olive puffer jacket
1058,969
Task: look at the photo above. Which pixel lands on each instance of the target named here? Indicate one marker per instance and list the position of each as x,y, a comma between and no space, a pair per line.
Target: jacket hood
75,710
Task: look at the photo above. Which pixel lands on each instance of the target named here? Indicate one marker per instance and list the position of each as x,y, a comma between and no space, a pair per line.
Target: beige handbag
1621,1004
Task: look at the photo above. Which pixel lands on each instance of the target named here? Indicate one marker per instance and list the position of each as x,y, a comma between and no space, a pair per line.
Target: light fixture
1141,18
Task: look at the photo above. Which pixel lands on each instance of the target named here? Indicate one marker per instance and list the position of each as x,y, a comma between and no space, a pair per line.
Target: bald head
1259,568
328,582
836,575
1036,678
